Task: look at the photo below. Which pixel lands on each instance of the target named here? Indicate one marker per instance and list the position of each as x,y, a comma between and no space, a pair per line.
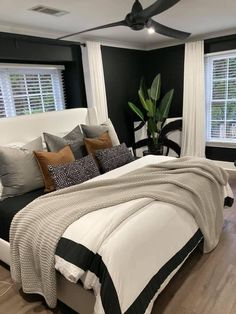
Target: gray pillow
92,131
19,171
75,139
111,158
73,173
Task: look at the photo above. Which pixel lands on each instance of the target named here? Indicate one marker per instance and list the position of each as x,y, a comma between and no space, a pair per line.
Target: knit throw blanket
194,184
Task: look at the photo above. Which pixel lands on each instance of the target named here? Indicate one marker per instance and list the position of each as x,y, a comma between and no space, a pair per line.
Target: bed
169,221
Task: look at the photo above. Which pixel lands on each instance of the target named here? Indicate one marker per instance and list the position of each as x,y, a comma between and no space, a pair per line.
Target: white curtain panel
94,79
193,136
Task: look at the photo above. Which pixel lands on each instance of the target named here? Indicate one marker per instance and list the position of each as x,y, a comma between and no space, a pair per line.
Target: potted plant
155,111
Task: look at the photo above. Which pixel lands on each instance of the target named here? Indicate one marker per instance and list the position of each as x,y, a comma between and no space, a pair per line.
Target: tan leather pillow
44,159
101,142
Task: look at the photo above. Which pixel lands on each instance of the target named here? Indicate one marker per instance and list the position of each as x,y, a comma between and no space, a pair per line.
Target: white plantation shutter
2,107
221,97
31,89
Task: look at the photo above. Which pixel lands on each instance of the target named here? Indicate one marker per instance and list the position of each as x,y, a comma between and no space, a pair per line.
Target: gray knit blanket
194,184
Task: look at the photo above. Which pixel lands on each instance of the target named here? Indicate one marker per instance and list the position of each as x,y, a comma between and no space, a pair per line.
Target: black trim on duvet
85,259
228,201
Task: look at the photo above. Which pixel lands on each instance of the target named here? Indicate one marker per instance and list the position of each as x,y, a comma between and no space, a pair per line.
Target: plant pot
155,149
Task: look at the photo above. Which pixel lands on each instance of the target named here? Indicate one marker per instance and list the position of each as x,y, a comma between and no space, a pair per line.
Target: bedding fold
194,184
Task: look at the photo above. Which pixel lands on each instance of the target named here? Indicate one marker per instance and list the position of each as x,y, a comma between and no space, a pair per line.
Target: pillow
73,173
114,157
74,139
19,171
44,159
35,144
92,144
92,131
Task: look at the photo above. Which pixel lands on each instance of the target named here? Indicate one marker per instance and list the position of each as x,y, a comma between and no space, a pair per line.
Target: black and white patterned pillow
73,173
111,158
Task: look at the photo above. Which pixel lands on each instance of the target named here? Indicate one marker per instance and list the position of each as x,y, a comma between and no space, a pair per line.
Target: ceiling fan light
151,30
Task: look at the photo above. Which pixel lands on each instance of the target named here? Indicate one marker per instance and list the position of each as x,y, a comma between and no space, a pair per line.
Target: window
221,97
30,89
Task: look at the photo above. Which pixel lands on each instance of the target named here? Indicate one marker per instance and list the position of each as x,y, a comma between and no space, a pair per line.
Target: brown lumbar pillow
45,159
101,142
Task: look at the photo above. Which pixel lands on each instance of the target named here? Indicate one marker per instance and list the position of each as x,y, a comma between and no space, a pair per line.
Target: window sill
221,144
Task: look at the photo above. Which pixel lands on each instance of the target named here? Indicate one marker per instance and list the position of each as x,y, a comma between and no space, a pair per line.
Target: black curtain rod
42,40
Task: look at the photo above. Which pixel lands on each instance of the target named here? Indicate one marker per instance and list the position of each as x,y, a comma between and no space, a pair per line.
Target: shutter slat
2,107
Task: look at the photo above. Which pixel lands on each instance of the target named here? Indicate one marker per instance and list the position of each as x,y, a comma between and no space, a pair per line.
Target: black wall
27,49
74,80
170,63
123,69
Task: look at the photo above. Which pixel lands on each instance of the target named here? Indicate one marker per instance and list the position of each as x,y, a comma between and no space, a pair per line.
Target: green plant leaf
143,88
151,126
151,108
142,100
149,92
165,104
136,110
156,88
158,115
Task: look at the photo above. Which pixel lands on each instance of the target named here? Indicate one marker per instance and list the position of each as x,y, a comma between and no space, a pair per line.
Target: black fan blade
167,31
158,7
120,23
137,7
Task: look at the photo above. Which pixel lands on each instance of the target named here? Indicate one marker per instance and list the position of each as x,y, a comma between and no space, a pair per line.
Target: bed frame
24,129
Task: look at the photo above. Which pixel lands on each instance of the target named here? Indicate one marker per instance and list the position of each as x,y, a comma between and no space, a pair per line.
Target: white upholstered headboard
28,127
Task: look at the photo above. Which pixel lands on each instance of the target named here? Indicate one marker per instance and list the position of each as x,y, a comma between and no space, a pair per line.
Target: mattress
10,206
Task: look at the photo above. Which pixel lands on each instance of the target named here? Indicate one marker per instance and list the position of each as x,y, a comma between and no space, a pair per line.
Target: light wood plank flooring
206,284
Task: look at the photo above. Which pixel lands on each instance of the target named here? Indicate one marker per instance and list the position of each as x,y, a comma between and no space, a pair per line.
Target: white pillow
35,144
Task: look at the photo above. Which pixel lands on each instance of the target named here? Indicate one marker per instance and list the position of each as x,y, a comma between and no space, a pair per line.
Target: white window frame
55,72
209,58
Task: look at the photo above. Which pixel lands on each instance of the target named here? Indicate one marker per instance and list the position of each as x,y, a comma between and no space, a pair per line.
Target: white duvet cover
132,245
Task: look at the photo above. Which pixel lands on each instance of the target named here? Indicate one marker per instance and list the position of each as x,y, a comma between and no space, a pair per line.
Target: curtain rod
52,41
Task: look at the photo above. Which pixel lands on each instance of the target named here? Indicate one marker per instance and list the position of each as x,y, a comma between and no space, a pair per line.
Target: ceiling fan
140,18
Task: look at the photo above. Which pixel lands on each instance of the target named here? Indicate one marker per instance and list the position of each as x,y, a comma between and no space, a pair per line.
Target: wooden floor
206,284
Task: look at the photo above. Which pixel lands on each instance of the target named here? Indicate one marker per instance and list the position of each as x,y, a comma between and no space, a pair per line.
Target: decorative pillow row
76,138
71,173
20,173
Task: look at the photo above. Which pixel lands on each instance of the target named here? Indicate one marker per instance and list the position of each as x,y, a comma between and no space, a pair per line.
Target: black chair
169,127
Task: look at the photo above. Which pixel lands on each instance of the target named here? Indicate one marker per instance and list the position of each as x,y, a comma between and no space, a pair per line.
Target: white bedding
137,245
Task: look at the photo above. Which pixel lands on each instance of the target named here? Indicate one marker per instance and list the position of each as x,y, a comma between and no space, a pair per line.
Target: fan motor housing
135,22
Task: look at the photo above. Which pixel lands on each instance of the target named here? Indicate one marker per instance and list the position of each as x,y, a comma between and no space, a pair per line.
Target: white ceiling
203,18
